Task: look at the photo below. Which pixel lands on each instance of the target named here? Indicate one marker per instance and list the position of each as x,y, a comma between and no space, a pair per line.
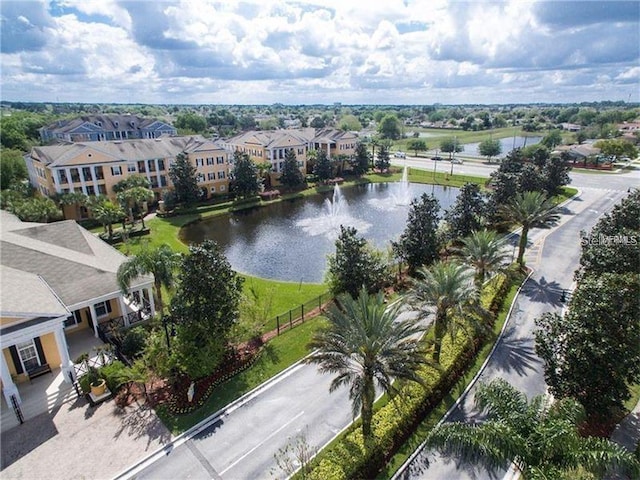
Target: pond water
507,144
290,240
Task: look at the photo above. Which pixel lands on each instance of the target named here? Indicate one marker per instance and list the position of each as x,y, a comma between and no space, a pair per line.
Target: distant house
93,168
571,127
271,146
59,286
101,128
578,153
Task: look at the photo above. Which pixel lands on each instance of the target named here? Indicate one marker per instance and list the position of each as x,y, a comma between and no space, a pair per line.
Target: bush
115,375
134,342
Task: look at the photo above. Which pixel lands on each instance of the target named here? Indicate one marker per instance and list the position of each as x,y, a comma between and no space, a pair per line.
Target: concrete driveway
78,441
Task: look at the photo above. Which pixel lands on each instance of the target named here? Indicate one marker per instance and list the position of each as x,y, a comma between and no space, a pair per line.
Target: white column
82,180
8,387
95,180
151,301
67,171
123,310
94,318
66,364
56,180
157,171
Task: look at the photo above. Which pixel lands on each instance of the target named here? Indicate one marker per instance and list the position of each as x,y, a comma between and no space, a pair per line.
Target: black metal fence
297,315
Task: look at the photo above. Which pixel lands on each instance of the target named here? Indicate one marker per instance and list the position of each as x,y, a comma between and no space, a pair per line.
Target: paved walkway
79,441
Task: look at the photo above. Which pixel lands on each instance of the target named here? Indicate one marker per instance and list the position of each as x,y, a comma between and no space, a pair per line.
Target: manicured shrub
115,375
134,341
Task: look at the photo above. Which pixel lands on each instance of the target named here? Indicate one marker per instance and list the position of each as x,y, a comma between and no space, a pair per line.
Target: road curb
473,381
175,442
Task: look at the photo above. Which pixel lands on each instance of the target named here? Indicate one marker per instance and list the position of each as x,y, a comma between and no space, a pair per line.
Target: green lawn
279,353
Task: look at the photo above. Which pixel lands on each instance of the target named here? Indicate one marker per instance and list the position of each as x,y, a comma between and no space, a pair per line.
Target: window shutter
16,359
40,351
108,302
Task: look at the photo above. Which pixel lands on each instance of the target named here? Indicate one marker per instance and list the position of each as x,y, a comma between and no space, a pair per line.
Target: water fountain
336,213
400,196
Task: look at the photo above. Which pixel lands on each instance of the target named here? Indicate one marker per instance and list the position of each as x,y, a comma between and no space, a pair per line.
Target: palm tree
484,251
108,213
447,289
160,262
135,196
529,210
365,345
539,437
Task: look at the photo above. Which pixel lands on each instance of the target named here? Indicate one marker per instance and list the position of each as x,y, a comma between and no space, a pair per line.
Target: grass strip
278,354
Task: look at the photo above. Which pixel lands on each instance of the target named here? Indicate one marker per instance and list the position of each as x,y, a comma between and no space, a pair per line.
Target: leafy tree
418,245
451,145
490,148
552,139
581,137
317,122
350,123
537,153
360,161
354,265
183,175
555,175
600,330
467,213
530,179
291,175
322,168
617,148
382,160
246,181
36,209
160,262
366,345
204,308
529,210
483,250
13,168
191,122
540,437
417,145
446,289
601,253
389,127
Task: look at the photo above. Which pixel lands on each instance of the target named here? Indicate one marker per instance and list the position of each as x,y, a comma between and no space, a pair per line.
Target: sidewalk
79,441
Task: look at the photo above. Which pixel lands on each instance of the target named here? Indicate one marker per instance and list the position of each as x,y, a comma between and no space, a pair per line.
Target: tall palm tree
108,213
446,289
484,251
366,344
160,262
541,438
529,210
135,196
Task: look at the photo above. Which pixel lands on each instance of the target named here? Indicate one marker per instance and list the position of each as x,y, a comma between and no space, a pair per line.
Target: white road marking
261,443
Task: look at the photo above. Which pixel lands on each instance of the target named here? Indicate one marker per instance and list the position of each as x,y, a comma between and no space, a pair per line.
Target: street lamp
165,322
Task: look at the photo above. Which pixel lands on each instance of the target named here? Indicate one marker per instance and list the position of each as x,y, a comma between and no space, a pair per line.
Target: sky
319,51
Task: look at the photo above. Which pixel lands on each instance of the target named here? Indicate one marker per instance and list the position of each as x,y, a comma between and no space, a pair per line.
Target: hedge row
394,422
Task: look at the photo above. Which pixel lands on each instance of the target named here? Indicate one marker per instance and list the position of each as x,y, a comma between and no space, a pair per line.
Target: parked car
400,154
457,160
436,158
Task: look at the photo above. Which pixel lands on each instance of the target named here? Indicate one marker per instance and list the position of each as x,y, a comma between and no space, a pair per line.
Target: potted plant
98,385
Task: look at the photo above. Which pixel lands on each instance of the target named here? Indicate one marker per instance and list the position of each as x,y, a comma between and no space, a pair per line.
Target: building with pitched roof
101,128
93,168
57,280
271,145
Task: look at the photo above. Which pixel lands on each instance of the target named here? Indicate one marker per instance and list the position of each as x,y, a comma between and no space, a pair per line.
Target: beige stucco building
58,280
93,168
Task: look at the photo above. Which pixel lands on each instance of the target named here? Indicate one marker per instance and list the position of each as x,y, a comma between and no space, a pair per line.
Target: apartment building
93,168
271,146
102,128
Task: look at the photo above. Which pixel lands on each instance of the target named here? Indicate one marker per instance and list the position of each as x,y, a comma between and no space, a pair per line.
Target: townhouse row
93,168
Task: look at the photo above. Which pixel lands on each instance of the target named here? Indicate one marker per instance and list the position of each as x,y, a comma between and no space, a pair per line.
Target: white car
457,160
400,154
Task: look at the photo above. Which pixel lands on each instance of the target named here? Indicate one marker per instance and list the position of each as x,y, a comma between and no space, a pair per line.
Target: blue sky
323,51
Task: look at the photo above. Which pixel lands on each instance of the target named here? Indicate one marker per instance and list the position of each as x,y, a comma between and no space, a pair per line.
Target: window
220,160
221,175
200,177
132,168
209,160
90,190
211,176
222,188
28,355
141,167
86,173
102,189
74,319
75,175
99,173
163,181
199,162
213,189
160,164
152,165
62,176
103,308
115,171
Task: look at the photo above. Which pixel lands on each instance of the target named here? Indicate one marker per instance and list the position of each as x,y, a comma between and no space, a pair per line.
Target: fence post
16,409
302,312
290,324
278,323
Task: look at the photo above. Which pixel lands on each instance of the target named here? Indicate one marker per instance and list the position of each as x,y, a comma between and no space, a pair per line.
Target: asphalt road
554,255
241,443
